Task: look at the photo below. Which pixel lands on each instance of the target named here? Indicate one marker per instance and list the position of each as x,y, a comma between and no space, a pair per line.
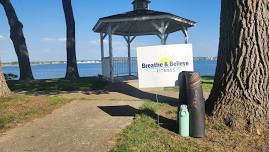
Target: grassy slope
22,108
145,135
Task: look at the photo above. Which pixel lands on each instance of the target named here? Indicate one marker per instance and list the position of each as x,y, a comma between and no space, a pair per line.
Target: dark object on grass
191,94
10,76
100,77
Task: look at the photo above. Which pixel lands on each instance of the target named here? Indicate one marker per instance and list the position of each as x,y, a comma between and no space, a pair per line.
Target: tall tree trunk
4,91
240,94
72,69
17,37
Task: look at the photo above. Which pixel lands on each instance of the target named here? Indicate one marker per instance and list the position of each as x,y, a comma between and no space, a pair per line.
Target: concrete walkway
83,125
87,124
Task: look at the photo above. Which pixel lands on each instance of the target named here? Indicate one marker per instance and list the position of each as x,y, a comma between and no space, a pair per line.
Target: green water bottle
184,121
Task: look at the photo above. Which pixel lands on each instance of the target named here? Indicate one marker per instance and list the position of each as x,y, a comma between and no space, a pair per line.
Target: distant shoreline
14,64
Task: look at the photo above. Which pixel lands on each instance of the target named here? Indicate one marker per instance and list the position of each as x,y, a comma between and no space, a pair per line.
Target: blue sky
44,27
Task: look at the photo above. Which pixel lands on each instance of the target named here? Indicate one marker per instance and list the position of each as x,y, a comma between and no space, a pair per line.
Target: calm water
205,68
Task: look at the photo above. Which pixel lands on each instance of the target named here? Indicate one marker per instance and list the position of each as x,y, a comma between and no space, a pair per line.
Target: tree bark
17,37
4,91
240,94
72,69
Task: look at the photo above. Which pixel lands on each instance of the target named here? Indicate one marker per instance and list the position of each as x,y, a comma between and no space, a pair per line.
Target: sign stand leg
158,116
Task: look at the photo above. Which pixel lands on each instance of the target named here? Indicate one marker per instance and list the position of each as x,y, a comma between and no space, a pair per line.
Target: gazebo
139,22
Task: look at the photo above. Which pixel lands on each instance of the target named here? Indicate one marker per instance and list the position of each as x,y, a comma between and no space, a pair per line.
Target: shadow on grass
204,82
164,122
119,111
124,88
128,111
207,78
86,85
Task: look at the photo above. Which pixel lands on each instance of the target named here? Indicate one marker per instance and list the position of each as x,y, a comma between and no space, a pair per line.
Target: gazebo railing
120,66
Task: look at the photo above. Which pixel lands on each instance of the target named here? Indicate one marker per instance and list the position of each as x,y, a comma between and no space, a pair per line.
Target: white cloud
53,39
63,39
114,42
2,37
97,42
94,42
46,50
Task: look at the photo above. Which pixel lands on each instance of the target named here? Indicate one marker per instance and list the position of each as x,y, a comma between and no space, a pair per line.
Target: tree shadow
125,88
203,82
207,77
85,85
119,111
128,111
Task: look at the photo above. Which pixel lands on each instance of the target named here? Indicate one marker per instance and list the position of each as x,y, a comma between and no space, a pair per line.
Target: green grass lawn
57,85
146,135
22,108
207,83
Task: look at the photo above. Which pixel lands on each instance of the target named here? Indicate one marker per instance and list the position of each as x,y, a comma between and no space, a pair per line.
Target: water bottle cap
183,107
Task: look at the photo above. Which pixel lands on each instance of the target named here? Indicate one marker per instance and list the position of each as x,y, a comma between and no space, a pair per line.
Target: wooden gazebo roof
141,22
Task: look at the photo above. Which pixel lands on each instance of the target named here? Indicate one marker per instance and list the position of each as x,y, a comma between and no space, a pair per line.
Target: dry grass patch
19,109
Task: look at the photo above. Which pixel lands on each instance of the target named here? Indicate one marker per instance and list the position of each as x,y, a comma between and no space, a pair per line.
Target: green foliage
207,83
6,120
56,100
150,105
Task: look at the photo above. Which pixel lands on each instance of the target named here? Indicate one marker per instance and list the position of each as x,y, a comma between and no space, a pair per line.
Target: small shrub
56,100
150,105
5,121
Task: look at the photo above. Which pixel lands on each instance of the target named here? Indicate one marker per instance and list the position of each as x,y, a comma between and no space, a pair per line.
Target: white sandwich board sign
159,66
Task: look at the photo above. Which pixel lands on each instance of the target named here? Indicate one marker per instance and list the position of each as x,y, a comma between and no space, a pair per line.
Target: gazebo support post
102,37
186,35
110,53
110,31
129,40
162,29
163,38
